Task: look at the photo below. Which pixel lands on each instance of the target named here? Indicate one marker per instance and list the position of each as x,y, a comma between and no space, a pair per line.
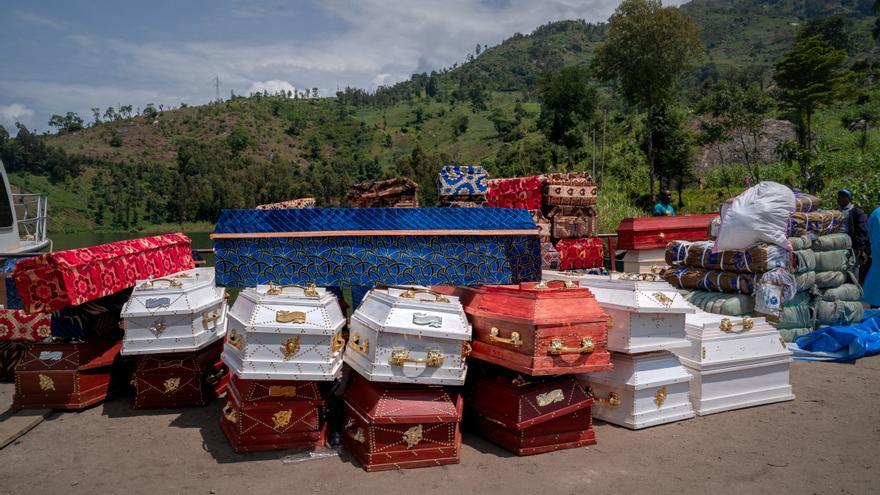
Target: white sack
760,214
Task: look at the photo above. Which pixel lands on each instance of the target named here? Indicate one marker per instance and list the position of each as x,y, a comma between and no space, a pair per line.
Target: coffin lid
385,403
660,224
414,310
704,322
629,293
536,303
521,402
259,309
184,292
640,371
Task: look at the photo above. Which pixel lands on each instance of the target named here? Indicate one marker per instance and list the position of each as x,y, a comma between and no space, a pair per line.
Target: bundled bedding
821,222
757,259
721,303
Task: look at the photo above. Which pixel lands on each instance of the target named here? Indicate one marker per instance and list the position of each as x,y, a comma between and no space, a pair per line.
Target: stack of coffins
462,185
544,331
836,301
645,239
18,330
409,345
85,290
282,342
174,327
647,386
736,362
400,192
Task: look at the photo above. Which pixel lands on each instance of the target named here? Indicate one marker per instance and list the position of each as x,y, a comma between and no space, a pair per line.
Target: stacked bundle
462,186
85,290
400,192
18,330
797,317
174,326
838,291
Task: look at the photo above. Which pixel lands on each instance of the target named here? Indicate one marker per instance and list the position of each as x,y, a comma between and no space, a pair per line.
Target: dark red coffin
401,426
189,379
63,279
279,415
657,232
65,376
576,254
527,417
550,328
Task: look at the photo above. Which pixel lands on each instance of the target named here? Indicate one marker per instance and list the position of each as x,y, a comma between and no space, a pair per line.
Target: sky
73,55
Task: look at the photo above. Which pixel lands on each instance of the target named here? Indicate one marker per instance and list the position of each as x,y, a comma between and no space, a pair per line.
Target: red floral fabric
523,192
54,281
580,253
18,326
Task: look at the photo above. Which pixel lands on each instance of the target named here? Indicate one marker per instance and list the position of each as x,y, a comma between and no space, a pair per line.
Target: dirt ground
826,441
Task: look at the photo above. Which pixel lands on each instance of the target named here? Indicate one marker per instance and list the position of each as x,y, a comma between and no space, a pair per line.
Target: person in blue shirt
664,208
871,285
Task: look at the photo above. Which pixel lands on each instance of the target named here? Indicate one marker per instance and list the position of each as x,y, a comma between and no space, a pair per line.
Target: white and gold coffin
736,362
285,333
409,335
182,312
642,390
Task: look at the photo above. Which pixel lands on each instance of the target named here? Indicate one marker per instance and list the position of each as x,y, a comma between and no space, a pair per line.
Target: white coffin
285,333
736,362
642,390
647,315
409,335
644,260
179,313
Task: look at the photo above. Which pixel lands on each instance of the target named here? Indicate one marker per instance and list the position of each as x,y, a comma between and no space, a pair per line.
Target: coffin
647,313
642,390
409,335
736,362
183,312
656,232
277,420
18,326
374,246
285,333
546,328
573,188
65,376
98,319
189,379
644,260
401,426
58,280
462,180
576,254
531,417
522,192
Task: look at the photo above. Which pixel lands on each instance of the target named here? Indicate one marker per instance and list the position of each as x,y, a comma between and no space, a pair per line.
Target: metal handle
612,400
466,349
337,343
411,294
514,340
158,327
639,277
566,284
230,413
727,325
151,282
356,344
308,290
400,356
235,340
556,347
209,316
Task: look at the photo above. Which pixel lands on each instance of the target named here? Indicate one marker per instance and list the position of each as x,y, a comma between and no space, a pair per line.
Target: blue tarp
840,343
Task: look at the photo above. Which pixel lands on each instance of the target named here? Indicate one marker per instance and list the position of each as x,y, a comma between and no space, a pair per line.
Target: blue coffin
374,246
462,180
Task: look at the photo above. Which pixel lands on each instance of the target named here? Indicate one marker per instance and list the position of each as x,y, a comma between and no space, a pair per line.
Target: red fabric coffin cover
65,376
581,253
18,326
524,192
656,232
536,328
187,379
59,280
264,415
531,417
401,426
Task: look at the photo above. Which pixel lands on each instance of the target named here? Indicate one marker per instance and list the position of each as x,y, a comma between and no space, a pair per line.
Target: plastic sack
838,312
834,261
760,214
805,281
790,334
721,303
801,242
773,290
825,280
797,313
832,242
843,292
804,261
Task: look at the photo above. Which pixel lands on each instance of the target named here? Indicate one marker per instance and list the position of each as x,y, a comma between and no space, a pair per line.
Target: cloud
16,112
39,19
273,87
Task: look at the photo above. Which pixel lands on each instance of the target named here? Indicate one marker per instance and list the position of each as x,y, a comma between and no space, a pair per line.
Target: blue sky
60,56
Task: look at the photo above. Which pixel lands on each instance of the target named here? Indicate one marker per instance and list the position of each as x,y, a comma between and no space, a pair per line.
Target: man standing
663,208
855,223
871,284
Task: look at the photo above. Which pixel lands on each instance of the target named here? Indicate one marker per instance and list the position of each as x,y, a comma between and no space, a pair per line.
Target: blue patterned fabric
13,299
98,318
462,180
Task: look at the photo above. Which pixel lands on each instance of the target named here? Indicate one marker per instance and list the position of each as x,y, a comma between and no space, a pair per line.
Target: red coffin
189,379
657,232
278,415
576,254
531,417
18,326
536,328
59,280
523,192
65,376
401,426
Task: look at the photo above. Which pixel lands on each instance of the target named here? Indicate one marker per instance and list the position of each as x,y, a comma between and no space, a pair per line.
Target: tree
648,48
568,102
96,114
238,139
150,111
70,122
833,29
314,92
862,120
876,29
674,147
461,126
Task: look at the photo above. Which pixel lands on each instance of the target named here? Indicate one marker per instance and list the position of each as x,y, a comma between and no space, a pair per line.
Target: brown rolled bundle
757,259
822,222
686,277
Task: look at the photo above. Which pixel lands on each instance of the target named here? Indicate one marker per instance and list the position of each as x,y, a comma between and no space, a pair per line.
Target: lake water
84,239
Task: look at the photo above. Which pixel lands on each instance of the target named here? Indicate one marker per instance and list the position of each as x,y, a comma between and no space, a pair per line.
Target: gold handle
727,325
151,282
235,340
612,400
230,413
639,277
466,349
411,294
209,316
662,235
400,356
356,344
514,340
158,327
556,347
276,290
337,343
566,284
290,347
